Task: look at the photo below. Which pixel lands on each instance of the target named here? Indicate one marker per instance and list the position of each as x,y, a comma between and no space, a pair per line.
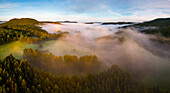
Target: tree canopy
24,29
66,65
19,76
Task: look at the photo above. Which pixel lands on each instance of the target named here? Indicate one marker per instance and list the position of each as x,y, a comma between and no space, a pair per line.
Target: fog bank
89,31
135,52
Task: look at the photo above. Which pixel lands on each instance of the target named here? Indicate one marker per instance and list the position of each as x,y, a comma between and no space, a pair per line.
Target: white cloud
114,13
7,5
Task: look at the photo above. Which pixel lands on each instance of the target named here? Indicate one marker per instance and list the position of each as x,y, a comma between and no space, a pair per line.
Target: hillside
22,21
160,22
160,26
24,29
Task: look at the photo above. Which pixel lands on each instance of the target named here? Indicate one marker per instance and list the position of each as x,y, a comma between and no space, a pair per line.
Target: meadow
16,48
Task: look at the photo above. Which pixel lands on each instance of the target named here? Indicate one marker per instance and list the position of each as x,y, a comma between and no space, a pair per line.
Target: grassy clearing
59,48
16,48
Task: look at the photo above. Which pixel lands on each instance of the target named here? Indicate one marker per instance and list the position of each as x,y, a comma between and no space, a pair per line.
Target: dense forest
19,76
161,27
69,65
24,29
160,22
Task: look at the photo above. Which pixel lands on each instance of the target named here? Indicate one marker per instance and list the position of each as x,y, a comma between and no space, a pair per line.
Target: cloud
152,4
126,10
7,6
114,13
84,6
146,10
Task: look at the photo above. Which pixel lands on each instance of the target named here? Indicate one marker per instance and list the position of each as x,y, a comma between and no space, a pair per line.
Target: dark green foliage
24,30
164,31
162,24
18,76
69,65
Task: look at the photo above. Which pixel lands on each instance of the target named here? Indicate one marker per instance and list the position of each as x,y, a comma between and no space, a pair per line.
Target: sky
85,10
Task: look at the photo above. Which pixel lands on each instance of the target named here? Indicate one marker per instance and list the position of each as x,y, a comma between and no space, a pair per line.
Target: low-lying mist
82,29
135,52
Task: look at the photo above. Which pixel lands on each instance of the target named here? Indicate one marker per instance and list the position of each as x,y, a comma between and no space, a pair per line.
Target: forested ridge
24,29
19,76
162,27
160,22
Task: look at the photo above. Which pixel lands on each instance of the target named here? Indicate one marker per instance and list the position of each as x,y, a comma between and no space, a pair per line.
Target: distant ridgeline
162,27
18,76
41,22
116,23
69,65
24,29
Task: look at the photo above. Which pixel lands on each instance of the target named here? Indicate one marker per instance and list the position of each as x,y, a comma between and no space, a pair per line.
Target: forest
69,65
19,76
24,29
161,27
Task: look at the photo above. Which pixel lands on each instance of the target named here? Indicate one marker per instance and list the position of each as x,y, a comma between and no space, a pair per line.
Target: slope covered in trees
24,29
22,21
19,76
69,65
162,27
160,22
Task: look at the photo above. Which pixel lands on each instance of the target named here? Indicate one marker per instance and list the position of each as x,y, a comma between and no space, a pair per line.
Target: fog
88,31
135,52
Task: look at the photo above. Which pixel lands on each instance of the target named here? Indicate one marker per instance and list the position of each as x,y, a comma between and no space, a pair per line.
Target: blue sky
85,10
